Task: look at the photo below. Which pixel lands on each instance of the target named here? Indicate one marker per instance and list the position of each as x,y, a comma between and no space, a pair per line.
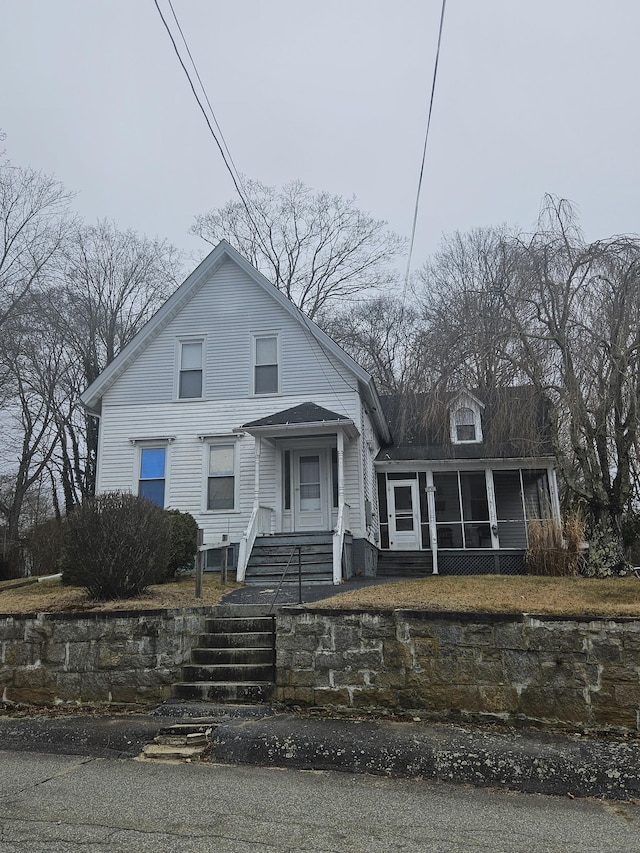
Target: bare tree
383,335
315,247
575,308
467,332
111,283
34,359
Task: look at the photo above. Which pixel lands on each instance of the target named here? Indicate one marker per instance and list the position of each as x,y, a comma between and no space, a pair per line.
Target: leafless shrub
555,547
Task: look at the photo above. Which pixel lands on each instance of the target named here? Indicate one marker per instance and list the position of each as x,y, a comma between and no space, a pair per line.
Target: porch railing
342,525
259,525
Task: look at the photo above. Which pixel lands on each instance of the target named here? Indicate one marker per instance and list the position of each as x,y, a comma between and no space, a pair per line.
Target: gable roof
305,413
515,425
91,398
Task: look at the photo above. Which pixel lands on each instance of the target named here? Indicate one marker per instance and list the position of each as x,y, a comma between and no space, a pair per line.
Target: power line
424,153
228,161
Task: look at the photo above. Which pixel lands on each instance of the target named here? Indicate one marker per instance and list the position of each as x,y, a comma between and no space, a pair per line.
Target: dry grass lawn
496,593
492,593
51,596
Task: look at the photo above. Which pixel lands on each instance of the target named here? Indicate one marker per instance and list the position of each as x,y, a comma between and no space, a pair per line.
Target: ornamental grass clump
116,545
555,547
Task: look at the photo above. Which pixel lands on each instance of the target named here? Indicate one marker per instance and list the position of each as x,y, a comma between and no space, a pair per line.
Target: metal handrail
297,548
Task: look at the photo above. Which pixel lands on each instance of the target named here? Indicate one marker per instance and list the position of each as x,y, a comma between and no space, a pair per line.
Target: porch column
493,513
340,454
553,492
256,475
433,530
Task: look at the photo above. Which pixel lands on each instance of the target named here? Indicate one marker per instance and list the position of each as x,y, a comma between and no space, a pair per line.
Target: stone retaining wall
95,657
573,673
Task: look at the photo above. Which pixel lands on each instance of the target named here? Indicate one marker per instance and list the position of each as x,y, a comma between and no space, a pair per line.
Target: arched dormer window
466,421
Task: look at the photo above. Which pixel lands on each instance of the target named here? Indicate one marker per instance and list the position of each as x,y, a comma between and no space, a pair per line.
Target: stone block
414,628
498,699
478,671
553,639
31,695
11,629
628,695
363,658
346,636
376,627
396,654
392,679
448,634
605,651
509,636
332,696
303,660
607,712
631,645
305,678
521,667
367,697
612,673
329,660
426,647
19,654
536,703
477,635
77,630
348,678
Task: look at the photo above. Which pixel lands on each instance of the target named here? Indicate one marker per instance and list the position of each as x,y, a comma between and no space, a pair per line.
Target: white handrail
259,524
342,525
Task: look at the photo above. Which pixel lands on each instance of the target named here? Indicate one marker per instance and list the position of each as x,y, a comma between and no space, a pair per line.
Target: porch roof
300,419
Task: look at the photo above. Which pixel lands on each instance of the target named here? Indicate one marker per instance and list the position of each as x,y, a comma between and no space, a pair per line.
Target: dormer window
466,421
465,424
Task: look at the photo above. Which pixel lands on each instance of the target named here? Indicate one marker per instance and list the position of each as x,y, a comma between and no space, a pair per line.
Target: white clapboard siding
227,310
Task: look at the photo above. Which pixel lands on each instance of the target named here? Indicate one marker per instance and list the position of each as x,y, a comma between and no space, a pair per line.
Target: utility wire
424,154
228,161
204,92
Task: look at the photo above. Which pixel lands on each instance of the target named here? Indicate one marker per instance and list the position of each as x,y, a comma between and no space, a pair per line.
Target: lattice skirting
481,563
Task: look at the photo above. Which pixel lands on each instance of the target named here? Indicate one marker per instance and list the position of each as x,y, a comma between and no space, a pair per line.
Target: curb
531,762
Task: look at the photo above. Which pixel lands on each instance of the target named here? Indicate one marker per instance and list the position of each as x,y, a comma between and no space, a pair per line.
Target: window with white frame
190,372
152,474
466,424
221,476
266,373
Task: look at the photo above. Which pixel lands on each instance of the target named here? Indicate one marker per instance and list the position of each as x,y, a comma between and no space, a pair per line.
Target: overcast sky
533,96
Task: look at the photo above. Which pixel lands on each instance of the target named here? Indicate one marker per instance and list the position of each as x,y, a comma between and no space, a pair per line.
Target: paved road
51,803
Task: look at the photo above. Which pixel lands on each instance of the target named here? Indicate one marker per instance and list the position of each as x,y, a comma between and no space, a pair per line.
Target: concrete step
240,610
205,691
231,640
324,578
242,673
290,539
170,752
239,625
234,656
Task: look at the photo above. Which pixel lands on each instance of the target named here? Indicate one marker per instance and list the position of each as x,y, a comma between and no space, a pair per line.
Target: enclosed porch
300,512
463,521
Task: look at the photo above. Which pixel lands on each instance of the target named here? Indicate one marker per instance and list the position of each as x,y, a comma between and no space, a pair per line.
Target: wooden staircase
271,554
234,659
404,564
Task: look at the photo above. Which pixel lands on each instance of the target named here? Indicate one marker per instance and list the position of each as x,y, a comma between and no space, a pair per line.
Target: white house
234,406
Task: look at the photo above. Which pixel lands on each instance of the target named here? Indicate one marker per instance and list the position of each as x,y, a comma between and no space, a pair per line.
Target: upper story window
190,372
151,483
466,419
266,368
465,423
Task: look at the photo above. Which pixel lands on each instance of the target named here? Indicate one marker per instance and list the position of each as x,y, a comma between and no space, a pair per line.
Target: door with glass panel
404,515
311,508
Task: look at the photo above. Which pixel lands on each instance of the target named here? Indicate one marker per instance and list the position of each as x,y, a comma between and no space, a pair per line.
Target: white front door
311,490
404,515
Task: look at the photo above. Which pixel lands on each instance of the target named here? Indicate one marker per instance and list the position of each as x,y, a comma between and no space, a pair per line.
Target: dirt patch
50,596
499,594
